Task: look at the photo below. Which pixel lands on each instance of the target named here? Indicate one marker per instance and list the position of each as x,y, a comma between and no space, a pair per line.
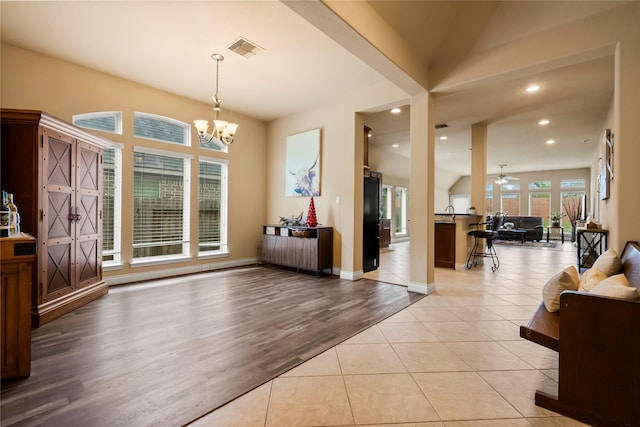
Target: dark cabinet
17,255
304,248
54,170
445,245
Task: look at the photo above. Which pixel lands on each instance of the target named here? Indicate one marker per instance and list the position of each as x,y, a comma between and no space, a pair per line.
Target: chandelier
222,131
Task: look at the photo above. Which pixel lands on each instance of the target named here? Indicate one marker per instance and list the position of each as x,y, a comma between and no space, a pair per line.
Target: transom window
572,183
540,185
106,121
511,186
159,128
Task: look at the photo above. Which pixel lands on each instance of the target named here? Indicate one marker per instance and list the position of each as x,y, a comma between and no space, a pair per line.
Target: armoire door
88,215
57,228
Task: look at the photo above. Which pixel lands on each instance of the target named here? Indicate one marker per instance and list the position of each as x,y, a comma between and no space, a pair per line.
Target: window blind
106,121
212,206
158,128
160,203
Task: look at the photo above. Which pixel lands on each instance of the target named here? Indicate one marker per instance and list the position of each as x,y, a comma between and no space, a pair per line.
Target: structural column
421,207
478,166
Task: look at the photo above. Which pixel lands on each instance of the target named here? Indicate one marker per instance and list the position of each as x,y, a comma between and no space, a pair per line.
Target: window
213,144
511,186
540,205
212,211
488,203
489,188
161,205
573,206
106,121
540,185
159,128
112,206
401,210
510,204
572,183
386,202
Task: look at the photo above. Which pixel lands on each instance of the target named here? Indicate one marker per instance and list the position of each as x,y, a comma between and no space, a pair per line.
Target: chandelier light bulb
223,131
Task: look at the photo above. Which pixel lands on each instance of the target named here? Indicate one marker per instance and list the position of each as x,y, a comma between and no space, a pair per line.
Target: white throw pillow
617,287
608,262
591,278
566,280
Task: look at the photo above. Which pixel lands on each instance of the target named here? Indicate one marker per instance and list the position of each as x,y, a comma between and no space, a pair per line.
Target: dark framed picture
607,166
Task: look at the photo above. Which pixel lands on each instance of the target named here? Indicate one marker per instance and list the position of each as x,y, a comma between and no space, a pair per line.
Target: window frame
116,252
186,128
117,115
389,205
224,225
186,212
510,196
547,218
401,226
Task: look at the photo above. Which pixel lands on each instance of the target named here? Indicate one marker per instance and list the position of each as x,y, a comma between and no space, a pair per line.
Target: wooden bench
598,340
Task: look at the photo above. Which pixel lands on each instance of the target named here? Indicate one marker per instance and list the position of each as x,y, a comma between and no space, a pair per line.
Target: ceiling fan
503,179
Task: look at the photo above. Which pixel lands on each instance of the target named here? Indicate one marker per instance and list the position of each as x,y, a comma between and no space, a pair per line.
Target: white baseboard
160,273
351,275
422,288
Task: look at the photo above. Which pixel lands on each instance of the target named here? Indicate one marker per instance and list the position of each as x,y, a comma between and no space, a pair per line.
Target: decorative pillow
591,278
608,262
566,280
616,286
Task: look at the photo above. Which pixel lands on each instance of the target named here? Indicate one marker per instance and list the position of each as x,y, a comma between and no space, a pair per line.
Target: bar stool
489,234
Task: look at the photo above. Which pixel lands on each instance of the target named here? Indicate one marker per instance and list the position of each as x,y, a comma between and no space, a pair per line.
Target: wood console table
304,248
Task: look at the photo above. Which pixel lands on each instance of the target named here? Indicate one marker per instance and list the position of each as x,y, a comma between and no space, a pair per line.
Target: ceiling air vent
441,125
244,47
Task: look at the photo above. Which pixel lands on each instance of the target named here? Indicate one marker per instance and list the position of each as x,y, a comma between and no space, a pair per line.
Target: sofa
525,228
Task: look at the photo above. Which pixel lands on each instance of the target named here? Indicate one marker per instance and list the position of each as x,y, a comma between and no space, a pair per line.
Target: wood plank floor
170,351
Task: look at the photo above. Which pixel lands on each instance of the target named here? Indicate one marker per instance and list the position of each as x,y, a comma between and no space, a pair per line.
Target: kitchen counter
452,244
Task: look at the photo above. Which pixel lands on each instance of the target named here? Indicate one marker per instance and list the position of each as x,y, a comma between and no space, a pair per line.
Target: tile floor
452,359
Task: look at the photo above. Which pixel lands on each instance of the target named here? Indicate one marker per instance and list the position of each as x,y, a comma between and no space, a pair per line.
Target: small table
561,228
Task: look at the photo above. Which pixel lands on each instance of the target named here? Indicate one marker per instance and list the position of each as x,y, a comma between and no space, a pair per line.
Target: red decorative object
312,221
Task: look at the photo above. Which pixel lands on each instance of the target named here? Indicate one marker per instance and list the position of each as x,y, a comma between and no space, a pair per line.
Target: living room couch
531,225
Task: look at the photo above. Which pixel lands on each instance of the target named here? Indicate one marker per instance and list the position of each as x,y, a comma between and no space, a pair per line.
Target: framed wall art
302,165
606,174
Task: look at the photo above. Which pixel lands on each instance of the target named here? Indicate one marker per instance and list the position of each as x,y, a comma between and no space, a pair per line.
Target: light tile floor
453,359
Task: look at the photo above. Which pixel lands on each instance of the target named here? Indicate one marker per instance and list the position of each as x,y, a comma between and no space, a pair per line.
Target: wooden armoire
54,171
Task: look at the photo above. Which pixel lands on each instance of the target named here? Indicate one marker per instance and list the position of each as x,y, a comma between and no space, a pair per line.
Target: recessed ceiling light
533,88
395,110
544,122
395,145
551,141
444,137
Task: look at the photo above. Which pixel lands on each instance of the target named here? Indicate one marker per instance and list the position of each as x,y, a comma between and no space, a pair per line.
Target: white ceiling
168,44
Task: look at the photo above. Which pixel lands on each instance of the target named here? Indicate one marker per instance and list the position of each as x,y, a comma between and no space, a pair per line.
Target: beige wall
340,202
62,89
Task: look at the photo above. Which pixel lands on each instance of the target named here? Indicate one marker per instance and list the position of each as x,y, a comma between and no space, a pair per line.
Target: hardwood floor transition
170,351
